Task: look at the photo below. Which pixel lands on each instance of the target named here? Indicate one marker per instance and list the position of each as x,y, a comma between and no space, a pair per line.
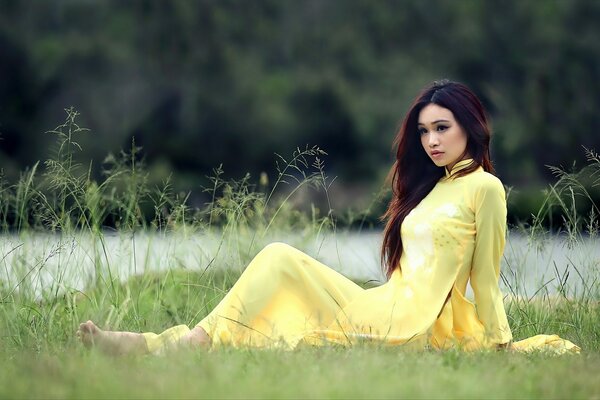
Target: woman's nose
433,140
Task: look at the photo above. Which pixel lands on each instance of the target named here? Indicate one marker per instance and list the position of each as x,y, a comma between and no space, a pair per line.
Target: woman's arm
490,224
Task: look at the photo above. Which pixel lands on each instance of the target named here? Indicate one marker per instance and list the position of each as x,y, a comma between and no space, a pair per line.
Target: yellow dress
455,234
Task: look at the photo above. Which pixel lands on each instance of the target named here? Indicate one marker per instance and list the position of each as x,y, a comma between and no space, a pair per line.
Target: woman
446,226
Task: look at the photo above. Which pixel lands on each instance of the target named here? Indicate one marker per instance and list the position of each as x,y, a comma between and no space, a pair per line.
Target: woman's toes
89,327
88,333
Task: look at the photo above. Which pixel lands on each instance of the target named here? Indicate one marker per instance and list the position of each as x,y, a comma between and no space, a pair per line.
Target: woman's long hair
413,174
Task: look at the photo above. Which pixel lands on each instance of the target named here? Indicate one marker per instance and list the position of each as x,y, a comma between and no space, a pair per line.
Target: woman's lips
437,154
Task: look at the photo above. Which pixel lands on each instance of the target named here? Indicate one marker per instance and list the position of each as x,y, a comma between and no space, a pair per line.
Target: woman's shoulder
481,181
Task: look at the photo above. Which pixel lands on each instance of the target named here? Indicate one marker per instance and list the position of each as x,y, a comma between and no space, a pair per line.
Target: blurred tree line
200,83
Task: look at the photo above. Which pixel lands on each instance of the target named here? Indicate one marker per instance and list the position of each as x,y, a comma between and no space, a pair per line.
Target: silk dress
455,235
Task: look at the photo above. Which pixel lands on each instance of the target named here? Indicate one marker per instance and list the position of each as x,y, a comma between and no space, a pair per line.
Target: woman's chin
439,163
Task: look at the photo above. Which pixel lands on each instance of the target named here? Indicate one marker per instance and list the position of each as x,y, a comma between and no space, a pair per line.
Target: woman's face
443,139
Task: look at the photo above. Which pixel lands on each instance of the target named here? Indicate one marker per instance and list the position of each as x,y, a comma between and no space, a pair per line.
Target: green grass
41,357
308,373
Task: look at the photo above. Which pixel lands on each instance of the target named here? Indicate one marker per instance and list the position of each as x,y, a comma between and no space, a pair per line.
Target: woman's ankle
198,338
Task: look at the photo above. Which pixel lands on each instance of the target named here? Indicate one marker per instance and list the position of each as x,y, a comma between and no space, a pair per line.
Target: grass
70,253
309,373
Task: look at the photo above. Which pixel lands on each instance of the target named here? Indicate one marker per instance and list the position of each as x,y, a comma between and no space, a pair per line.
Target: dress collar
462,164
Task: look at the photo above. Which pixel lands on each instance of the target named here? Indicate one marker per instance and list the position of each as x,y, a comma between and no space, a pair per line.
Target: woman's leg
131,343
195,338
281,295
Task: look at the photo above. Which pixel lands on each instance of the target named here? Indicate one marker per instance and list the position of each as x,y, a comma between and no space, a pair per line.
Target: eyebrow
435,122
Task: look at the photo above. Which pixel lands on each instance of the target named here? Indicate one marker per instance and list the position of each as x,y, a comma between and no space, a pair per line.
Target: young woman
446,226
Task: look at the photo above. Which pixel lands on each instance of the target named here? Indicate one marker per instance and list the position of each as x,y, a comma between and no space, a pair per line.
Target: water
529,267
42,262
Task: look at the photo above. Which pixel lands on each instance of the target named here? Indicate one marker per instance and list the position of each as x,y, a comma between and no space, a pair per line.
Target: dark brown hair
413,174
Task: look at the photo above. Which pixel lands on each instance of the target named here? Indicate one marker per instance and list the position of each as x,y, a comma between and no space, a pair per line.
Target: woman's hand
505,346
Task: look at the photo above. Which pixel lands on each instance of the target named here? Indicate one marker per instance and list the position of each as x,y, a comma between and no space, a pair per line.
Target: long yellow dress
456,234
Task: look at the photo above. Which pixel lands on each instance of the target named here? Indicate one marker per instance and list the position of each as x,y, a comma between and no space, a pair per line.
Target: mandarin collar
462,164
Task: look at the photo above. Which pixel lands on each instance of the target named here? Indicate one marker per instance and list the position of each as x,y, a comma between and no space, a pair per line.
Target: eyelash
423,131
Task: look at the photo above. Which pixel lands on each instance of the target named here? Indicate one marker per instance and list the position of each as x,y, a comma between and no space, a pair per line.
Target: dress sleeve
490,226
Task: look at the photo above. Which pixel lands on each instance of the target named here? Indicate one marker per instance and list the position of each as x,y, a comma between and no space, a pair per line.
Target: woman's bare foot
110,342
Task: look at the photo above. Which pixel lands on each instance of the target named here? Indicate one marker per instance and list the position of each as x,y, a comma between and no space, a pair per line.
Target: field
57,270
313,373
43,359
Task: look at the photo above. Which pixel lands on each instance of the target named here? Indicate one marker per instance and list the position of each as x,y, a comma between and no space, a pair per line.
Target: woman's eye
422,131
442,128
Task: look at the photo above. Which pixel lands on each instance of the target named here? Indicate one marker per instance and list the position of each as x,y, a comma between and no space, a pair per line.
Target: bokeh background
197,84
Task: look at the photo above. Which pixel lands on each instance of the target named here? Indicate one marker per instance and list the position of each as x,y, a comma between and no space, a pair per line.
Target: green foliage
65,197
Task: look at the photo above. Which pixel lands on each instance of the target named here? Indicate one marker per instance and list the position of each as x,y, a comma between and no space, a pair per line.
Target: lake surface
43,262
